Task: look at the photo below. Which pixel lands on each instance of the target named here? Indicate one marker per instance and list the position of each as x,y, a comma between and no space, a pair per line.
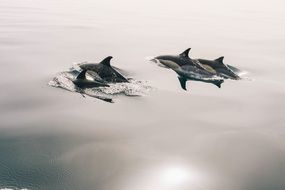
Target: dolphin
104,71
218,67
82,82
188,69
180,60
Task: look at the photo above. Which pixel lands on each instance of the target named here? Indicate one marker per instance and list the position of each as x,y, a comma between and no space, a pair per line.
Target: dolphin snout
154,60
160,63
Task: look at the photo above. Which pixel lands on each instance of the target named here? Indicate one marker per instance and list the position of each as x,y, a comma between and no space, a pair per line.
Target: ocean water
205,138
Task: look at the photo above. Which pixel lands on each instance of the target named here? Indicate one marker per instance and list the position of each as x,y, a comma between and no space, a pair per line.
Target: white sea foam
133,88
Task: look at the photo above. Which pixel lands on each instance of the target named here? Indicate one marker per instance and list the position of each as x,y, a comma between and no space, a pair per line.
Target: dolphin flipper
218,83
82,74
182,81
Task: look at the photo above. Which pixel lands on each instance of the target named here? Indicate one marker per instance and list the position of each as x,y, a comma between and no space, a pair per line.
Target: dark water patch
27,163
33,161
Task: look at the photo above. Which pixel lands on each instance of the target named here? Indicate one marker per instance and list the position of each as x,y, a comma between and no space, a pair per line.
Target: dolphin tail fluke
82,74
182,81
218,83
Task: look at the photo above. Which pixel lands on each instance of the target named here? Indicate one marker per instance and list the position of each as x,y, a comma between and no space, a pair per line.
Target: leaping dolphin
187,69
218,67
82,82
105,71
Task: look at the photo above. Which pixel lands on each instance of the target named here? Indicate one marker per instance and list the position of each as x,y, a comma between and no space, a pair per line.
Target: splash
133,88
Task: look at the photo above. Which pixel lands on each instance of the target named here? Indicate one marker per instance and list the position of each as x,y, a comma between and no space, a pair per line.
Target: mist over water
205,139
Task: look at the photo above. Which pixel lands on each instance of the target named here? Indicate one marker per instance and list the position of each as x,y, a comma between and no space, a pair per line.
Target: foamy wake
133,88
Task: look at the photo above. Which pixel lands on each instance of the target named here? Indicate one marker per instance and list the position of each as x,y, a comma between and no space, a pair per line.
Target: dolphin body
188,69
83,83
104,71
219,68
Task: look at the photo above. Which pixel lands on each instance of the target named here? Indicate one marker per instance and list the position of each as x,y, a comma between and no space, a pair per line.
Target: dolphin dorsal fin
185,53
106,61
82,75
220,59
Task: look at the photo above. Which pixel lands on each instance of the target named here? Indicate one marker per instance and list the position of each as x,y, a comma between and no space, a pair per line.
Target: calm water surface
203,139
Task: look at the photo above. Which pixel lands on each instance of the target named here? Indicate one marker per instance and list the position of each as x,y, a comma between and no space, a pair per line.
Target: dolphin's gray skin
189,72
180,60
105,71
218,67
187,69
82,82
234,69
